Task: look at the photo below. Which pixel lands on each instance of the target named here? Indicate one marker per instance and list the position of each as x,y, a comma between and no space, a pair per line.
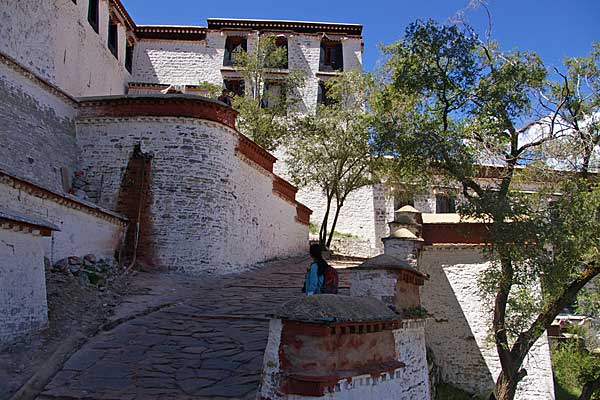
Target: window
322,95
402,199
93,14
113,38
332,56
280,43
273,94
233,45
129,57
444,204
235,86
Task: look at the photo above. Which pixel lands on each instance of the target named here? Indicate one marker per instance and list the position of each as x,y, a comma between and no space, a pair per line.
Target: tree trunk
335,219
323,230
589,389
506,387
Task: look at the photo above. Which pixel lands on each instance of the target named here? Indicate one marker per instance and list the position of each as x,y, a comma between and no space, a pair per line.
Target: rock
61,265
84,280
74,260
90,258
74,269
47,265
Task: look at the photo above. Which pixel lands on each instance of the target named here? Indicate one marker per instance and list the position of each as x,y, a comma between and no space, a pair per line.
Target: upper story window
323,97
273,95
129,56
402,199
234,45
113,38
281,60
332,56
444,203
93,13
235,87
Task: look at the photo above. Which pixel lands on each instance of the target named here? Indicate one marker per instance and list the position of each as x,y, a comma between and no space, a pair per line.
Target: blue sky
553,28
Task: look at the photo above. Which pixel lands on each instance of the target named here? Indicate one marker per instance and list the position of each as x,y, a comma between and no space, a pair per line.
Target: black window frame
235,86
94,14
281,42
322,97
129,48
282,94
331,58
402,198
445,203
231,44
113,38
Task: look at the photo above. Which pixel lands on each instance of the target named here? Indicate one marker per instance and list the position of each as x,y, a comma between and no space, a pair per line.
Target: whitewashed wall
458,333
37,129
54,40
179,62
80,232
23,306
211,211
193,62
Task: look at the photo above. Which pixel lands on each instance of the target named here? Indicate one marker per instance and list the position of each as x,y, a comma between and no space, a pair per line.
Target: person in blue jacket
316,272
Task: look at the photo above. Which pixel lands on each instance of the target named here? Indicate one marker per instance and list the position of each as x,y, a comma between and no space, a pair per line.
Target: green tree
263,111
449,103
330,149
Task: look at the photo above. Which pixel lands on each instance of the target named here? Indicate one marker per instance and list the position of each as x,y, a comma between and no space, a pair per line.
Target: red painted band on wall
460,233
303,214
254,152
158,106
284,188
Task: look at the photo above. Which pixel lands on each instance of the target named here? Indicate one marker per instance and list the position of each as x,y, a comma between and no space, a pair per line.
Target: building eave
285,25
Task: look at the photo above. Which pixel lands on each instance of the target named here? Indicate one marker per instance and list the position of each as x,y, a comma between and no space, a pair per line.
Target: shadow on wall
449,334
134,201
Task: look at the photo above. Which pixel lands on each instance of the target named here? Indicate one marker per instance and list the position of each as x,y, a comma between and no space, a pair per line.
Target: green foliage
262,114
573,366
448,103
416,312
210,90
330,148
588,301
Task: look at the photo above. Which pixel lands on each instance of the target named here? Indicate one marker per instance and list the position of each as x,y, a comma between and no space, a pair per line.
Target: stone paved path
207,341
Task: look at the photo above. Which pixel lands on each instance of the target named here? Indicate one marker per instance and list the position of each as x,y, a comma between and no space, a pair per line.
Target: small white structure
23,306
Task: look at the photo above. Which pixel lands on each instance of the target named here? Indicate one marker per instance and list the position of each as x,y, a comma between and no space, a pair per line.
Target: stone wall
23,306
54,40
179,62
458,332
84,228
211,210
193,62
37,128
410,344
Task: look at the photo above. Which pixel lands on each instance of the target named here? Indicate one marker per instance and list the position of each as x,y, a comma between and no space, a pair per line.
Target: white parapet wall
212,209
458,332
23,305
84,227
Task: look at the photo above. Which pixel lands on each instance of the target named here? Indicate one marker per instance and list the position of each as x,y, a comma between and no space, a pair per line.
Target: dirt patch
75,307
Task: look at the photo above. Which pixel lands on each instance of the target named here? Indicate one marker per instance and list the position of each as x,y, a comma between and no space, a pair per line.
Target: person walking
313,284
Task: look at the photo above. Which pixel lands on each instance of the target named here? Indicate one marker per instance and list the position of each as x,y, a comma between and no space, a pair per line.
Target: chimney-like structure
335,347
393,277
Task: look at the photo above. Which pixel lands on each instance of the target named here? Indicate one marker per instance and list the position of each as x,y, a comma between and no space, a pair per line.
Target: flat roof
296,26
